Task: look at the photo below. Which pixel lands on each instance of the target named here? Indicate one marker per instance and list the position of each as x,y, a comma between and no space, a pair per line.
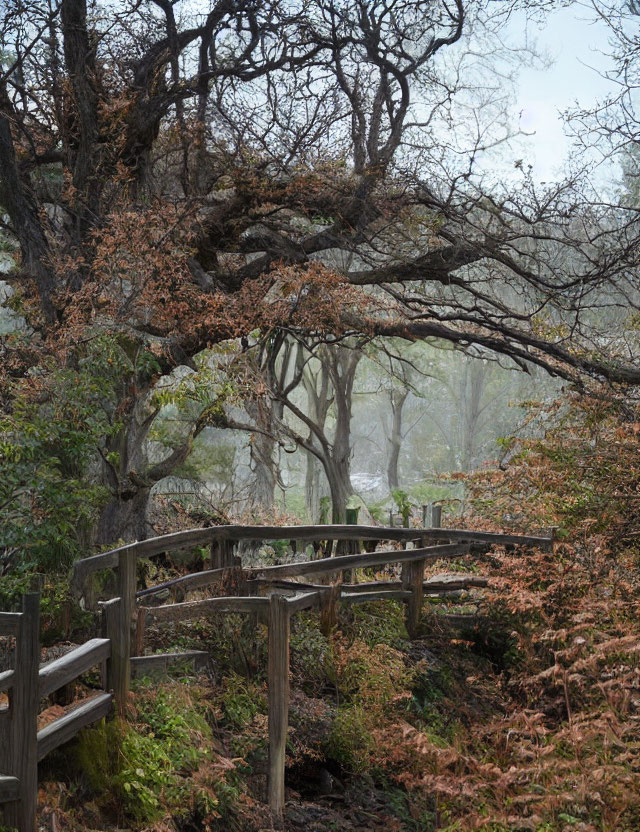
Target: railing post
221,554
127,561
425,514
278,693
24,700
141,623
352,546
414,583
118,667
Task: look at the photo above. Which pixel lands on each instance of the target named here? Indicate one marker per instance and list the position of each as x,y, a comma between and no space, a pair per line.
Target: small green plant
379,622
404,504
350,740
240,700
325,510
310,652
144,770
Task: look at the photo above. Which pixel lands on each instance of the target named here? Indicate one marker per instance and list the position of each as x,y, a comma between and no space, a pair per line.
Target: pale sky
576,44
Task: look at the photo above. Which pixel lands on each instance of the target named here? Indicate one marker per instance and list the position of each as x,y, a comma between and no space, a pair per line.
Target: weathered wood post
141,623
221,554
425,514
413,580
352,546
127,561
24,699
118,667
436,516
278,694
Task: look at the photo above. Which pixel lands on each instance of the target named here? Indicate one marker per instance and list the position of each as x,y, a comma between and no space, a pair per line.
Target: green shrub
350,740
310,652
144,770
240,700
378,622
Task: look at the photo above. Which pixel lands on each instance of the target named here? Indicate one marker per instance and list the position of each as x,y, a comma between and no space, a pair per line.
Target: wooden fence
22,746
270,593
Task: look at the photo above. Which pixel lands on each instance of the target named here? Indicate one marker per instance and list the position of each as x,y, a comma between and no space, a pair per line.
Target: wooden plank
9,788
65,728
383,595
278,696
159,663
141,623
294,586
209,606
372,586
360,561
127,592
439,583
118,665
9,623
6,680
304,600
24,701
415,578
544,543
192,537
221,554
196,580
57,673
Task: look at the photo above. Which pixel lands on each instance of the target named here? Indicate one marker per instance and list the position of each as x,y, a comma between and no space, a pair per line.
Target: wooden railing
221,539
22,746
269,593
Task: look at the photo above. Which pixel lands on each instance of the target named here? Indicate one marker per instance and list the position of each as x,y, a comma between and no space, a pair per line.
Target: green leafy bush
147,768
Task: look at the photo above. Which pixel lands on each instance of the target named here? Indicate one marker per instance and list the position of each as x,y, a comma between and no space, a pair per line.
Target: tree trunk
313,487
129,477
262,451
397,399
338,473
124,518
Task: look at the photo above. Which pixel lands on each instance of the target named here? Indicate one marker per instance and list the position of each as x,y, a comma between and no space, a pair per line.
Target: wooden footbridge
271,594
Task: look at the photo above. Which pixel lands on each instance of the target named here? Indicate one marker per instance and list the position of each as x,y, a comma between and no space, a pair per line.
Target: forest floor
527,718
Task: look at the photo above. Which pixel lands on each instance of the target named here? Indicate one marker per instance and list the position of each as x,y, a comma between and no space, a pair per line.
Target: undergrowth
530,720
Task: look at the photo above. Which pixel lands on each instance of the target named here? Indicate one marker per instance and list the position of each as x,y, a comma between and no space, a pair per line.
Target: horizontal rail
195,609
65,728
59,672
192,537
194,580
159,663
305,600
439,584
372,586
329,565
383,595
6,679
499,539
9,788
9,623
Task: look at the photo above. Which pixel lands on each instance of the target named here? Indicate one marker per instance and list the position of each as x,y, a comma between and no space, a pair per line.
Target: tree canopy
176,175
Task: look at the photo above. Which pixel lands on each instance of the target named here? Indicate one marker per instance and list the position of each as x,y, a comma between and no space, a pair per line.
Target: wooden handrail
194,609
193,537
9,788
325,566
6,679
66,727
59,672
9,623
